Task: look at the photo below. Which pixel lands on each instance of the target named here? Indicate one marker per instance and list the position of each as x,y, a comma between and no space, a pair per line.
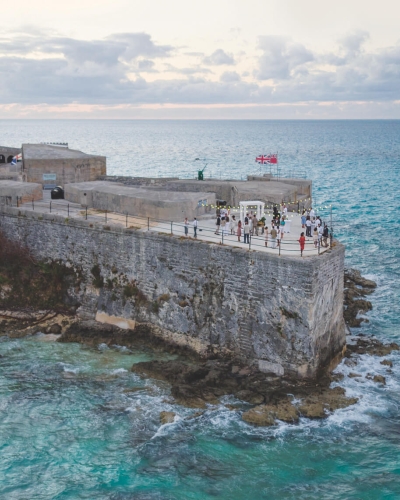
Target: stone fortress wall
284,314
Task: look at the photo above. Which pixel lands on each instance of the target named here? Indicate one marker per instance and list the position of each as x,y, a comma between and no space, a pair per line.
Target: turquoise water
76,423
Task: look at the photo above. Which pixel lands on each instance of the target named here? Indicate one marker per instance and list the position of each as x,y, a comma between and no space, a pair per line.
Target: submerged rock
386,362
379,379
266,415
167,417
372,346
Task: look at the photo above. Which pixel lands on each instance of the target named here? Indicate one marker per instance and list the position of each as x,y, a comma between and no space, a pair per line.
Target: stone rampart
284,314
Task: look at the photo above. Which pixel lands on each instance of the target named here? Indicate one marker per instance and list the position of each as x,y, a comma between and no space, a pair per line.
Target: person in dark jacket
218,223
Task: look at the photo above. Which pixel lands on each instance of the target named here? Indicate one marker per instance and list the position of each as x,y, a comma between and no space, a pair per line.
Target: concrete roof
47,152
273,188
136,192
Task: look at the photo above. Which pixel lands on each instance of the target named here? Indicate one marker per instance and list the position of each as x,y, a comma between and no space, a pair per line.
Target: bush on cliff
27,284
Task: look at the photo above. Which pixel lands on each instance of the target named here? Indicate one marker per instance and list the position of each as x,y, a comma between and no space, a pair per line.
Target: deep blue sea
70,430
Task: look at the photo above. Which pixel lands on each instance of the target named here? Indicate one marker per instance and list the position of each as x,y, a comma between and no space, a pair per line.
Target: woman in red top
302,241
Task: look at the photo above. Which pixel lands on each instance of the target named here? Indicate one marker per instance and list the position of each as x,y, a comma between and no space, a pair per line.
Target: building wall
284,314
7,154
66,170
140,202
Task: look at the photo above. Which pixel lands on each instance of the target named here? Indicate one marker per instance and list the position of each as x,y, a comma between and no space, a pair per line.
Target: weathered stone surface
265,415
379,379
167,417
318,405
371,346
354,375
313,410
387,362
356,287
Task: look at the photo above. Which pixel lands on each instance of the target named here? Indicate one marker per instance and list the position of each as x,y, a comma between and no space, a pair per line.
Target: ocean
77,424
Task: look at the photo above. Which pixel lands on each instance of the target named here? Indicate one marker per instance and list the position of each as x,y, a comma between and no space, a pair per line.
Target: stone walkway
206,228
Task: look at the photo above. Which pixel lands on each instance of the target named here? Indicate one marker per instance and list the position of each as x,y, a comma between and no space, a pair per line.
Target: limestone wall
66,170
283,313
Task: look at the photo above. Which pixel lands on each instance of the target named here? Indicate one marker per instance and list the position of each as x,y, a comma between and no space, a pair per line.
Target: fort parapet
283,314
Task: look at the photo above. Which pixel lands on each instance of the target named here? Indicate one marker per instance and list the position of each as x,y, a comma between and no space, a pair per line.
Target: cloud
40,68
218,58
280,56
230,76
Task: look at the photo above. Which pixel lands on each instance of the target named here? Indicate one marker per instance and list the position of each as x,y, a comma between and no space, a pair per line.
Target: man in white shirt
195,227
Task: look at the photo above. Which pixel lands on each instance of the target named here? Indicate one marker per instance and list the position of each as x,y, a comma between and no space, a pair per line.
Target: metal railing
164,226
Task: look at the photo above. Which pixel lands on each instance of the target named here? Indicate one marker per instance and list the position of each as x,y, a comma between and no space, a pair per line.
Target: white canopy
256,207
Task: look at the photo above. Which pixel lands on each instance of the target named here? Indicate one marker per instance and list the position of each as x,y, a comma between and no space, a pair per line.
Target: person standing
308,227
315,237
234,225
303,219
186,226
228,224
223,224
325,235
255,226
218,223
195,227
282,227
312,213
274,234
239,230
246,232
302,241
266,236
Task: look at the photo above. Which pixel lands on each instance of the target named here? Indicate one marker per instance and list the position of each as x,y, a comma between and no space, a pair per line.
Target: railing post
319,245
50,207
33,204
331,238
126,222
68,209
148,223
222,236
106,215
279,245
171,228
86,213
249,241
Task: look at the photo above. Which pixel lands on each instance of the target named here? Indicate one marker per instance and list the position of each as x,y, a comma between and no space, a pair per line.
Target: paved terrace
205,232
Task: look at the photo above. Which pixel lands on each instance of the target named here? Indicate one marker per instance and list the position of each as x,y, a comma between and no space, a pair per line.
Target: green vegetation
27,284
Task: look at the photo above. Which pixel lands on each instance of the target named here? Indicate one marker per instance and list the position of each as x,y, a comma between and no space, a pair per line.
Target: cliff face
283,315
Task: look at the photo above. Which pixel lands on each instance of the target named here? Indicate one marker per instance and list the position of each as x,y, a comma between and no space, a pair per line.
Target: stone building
7,154
52,165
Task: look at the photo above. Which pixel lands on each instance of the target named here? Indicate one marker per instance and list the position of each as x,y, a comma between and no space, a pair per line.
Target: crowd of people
228,224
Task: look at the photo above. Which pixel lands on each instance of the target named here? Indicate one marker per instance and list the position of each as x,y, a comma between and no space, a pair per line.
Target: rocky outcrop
167,417
355,289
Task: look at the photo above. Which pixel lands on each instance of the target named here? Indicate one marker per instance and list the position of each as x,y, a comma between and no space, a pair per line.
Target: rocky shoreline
198,383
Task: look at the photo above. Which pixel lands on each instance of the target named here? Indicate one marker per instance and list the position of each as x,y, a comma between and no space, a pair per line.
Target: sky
244,59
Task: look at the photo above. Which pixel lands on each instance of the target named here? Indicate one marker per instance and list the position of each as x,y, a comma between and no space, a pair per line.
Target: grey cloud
187,71
99,72
145,65
230,76
218,58
352,43
280,57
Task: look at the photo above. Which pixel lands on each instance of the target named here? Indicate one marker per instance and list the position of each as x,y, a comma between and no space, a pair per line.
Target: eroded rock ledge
199,383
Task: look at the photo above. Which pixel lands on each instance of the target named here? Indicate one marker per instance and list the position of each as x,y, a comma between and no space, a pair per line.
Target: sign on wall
49,177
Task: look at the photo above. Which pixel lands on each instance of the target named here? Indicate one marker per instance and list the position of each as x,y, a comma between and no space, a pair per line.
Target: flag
16,159
267,159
